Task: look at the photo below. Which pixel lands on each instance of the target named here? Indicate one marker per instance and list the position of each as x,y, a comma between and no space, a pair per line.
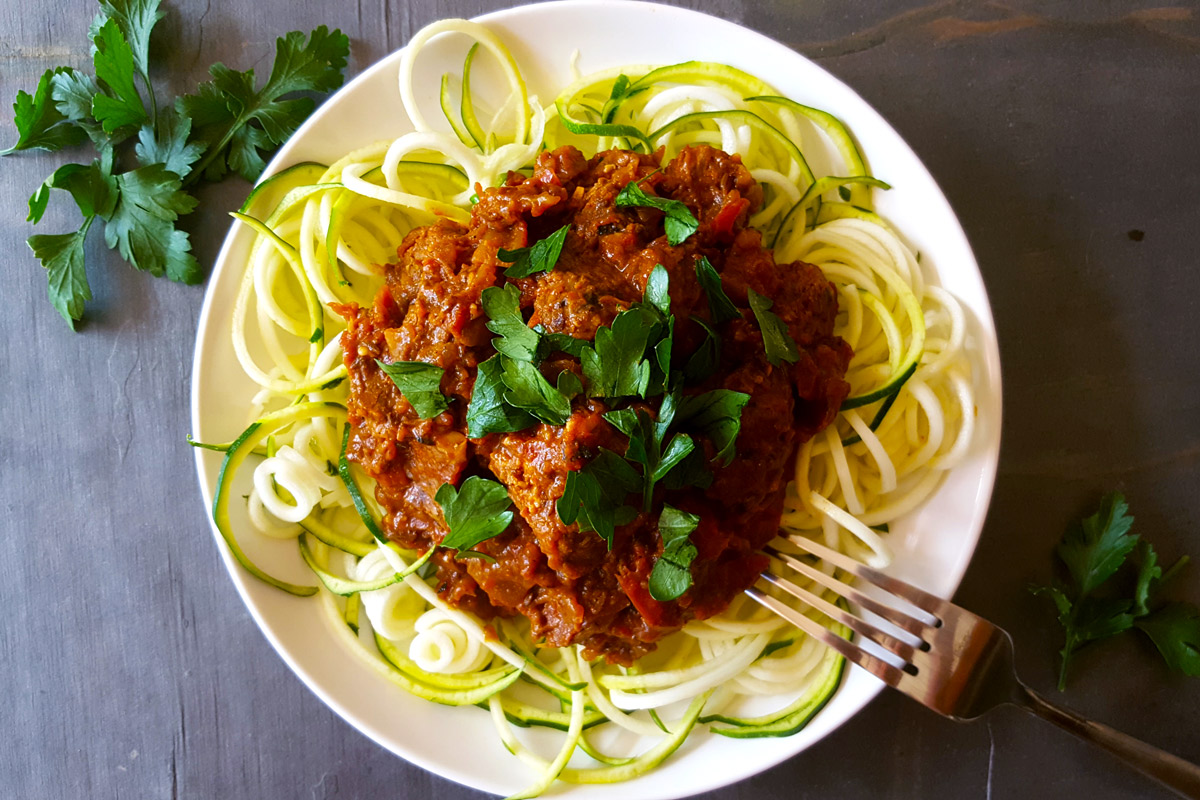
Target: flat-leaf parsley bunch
227,125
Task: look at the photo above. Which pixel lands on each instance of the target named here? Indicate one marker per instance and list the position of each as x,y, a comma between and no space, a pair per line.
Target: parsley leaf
113,60
719,304
541,256
476,512
73,92
167,144
515,338
135,19
707,357
718,414
1148,573
1175,631
421,385
646,443
1095,548
558,342
776,340
40,125
142,224
62,256
237,122
679,222
488,412
91,186
595,495
672,575
528,389
615,365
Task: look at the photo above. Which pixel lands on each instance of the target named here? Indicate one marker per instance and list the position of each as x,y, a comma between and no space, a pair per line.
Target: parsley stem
1173,569
213,152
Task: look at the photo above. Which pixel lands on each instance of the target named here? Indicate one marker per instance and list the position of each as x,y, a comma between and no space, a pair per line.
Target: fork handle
1172,771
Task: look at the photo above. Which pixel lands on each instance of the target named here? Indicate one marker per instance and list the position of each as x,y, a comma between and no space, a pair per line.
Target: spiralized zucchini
322,230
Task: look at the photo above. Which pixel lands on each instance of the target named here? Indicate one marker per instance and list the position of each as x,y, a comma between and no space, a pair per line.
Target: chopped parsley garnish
488,411
616,364
650,447
510,391
719,304
672,574
1092,552
679,222
479,511
514,338
421,385
718,414
527,389
776,340
707,357
541,256
595,495
226,125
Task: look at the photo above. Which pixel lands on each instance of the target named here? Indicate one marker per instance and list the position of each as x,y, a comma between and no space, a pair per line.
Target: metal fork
944,657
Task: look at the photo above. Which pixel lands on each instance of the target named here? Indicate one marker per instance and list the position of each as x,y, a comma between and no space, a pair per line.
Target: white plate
932,547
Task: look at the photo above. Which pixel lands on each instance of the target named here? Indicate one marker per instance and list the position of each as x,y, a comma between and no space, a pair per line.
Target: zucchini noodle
320,234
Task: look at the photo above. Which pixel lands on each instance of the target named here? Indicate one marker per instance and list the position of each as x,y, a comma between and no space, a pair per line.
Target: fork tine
923,600
892,615
854,654
901,649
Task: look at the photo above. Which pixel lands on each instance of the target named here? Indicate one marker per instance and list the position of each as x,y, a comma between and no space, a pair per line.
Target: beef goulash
572,587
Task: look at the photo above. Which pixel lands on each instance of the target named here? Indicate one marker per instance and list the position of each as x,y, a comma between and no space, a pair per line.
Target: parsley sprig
541,256
421,385
227,124
672,573
1092,552
479,511
679,222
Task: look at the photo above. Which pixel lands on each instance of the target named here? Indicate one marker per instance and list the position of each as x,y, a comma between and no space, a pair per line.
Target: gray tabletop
1064,135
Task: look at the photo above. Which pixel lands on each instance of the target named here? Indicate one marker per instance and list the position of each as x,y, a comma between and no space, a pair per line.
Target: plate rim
989,351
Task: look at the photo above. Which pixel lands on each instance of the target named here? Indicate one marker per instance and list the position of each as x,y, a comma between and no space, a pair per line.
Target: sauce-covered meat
571,586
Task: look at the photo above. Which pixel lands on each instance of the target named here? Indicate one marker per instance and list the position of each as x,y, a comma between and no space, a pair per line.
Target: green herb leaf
718,414
551,343
488,412
167,144
1149,573
1175,631
615,365
135,19
62,256
541,256
237,123
92,188
594,497
528,389
707,357
40,125
475,513
776,340
672,575
142,226
1095,548
73,92
515,338
646,444
421,385
113,60
691,471
719,304
679,222
657,292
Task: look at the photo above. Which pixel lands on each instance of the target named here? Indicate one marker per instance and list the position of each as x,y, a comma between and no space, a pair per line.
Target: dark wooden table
1065,135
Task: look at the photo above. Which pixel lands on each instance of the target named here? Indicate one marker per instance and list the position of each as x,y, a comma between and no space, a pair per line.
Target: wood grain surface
130,667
